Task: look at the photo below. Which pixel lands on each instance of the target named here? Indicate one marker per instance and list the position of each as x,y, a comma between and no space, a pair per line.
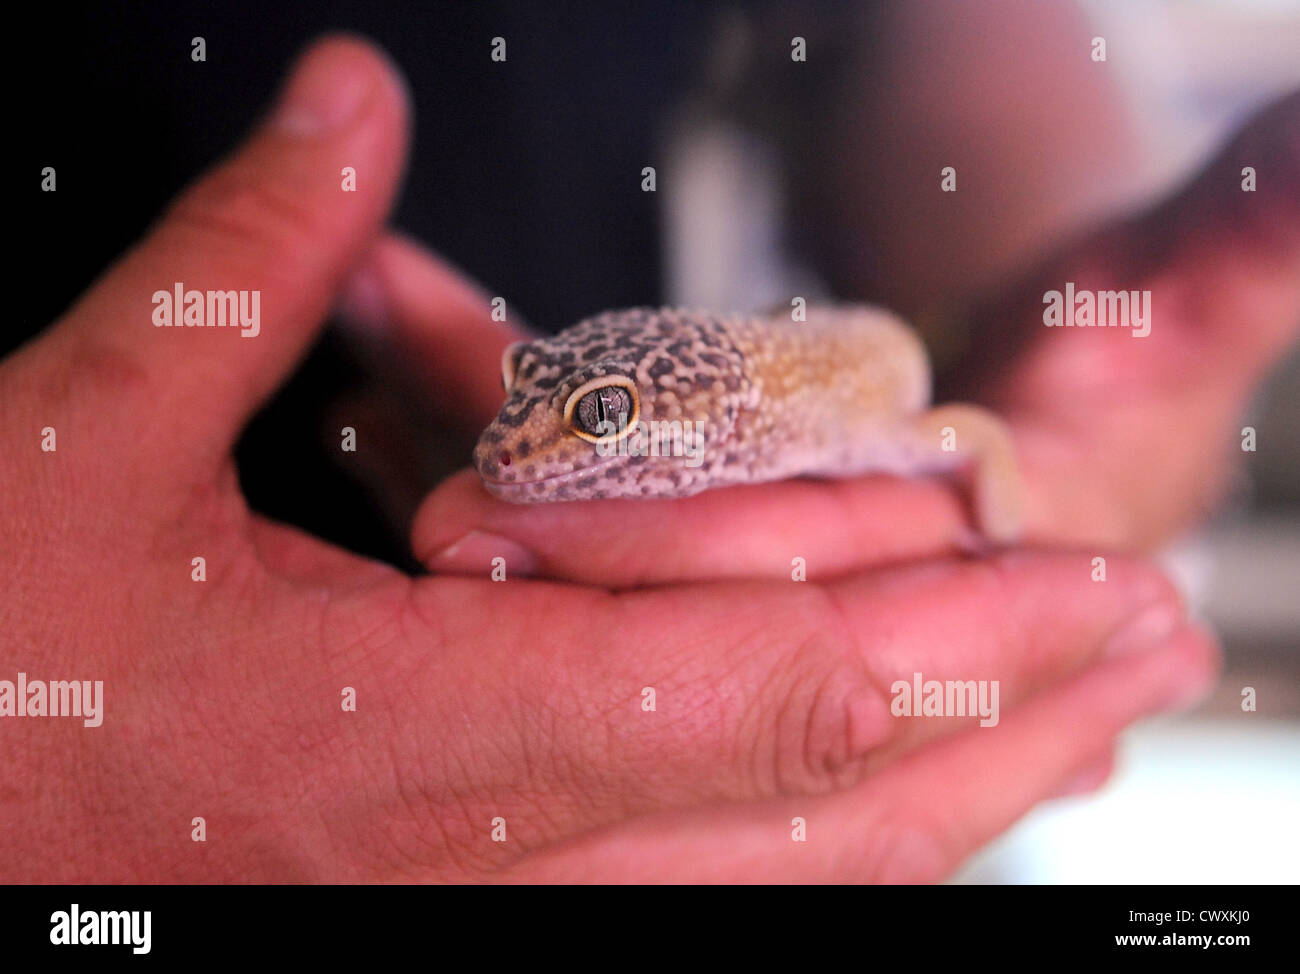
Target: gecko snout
495,459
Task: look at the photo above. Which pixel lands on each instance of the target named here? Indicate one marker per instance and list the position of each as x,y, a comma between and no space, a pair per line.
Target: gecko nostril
504,458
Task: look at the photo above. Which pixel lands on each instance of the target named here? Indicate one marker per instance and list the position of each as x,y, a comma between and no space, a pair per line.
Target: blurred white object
1194,70
1191,802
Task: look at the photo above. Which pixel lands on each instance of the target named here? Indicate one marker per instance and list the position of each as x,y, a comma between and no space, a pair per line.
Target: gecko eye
510,363
603,409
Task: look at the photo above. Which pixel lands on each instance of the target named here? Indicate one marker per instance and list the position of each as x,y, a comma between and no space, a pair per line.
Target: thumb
280,221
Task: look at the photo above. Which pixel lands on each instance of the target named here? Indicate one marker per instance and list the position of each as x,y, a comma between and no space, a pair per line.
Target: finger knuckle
826,715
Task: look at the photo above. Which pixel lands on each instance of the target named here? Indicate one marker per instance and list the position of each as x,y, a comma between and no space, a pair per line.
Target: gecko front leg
958,434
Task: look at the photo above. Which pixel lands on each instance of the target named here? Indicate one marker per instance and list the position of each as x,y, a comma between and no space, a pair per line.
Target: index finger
814,528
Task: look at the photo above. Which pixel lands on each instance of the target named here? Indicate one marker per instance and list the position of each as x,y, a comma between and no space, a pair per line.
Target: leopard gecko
668,402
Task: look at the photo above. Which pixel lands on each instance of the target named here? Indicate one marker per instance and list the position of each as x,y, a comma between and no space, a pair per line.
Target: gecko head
604,409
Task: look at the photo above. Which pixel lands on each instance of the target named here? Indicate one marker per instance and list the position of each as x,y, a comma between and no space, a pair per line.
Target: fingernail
1087,779
477,552
1148,629
324,91
1188,696
363,304
1198,684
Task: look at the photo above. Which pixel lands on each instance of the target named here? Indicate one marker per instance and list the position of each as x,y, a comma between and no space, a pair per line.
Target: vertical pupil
601,406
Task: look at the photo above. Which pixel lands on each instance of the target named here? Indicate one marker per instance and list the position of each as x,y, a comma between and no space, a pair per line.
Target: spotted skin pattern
722,400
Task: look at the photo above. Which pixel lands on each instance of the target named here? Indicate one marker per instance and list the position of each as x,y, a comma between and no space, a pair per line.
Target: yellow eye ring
603,382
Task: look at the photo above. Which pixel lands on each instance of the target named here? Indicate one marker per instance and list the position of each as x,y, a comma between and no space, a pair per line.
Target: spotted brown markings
661,366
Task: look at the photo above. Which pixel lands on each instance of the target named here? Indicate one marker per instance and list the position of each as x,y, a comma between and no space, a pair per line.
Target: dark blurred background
775,178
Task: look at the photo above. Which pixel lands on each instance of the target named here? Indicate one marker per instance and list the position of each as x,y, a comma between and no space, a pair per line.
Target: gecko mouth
507,488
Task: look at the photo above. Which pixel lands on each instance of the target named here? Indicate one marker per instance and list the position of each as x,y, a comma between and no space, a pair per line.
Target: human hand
476,700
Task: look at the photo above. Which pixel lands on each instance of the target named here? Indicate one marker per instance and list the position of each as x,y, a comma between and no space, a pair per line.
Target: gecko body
667,403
